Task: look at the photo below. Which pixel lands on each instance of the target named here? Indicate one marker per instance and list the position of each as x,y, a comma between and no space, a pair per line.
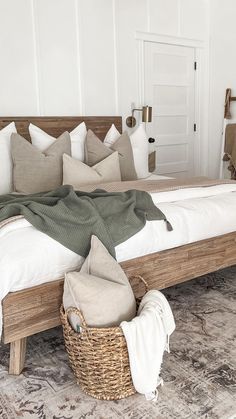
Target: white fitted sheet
29,257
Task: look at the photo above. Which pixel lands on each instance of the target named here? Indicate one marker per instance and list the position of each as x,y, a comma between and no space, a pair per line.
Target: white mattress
29,257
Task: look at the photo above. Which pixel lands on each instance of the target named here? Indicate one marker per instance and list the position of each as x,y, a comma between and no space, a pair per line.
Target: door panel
169,88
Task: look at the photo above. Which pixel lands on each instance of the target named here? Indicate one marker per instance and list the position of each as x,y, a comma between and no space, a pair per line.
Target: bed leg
17,356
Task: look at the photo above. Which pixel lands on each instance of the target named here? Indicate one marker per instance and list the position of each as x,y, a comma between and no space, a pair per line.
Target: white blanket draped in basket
147,337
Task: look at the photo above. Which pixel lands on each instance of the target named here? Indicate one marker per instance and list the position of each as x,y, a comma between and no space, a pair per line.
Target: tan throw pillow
100,290
78,174
35,171
95,151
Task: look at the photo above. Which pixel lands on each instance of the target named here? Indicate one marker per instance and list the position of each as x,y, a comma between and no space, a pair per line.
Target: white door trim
167,39
201,89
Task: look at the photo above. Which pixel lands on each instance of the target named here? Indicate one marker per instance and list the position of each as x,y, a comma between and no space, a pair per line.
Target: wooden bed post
17,356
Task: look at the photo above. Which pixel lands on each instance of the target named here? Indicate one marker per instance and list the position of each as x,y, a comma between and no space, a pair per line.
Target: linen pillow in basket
101,290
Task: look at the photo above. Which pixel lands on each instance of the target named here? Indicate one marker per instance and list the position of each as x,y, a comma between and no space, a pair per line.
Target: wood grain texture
152,161
56,125
31,310
169,267
36,309
17,356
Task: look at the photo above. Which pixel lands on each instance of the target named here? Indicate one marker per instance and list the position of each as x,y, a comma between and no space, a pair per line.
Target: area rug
199,374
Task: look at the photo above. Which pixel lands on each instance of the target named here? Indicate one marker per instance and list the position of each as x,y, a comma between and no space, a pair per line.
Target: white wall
222,72
69,57
79,56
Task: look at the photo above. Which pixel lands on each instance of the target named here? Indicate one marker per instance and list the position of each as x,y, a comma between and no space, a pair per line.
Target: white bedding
29,257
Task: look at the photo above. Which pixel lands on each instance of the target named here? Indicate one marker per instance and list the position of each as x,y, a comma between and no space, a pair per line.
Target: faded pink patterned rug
199,373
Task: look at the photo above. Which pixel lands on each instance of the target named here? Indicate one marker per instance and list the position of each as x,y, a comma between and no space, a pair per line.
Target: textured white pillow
77,173
139,142
111,137
41,140
6,159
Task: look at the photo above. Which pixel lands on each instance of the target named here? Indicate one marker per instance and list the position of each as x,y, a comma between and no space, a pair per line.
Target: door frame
201,89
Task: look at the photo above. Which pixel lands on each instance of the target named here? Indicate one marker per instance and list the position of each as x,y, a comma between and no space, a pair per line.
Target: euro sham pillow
42,140
101,290
139,143
95,151
35,171
6,159
77,174
111,136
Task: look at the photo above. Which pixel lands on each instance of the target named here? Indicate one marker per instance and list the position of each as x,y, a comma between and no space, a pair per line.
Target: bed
35,308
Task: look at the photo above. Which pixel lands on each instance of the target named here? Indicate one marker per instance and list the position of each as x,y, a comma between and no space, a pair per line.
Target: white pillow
41,140
139,142
111,137
6,159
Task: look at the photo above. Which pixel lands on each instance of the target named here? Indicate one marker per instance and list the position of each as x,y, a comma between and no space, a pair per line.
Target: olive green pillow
95,151
35,171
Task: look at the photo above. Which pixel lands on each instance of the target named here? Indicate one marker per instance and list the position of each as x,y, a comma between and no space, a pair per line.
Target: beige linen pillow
77,174
35,171
95,151
100,290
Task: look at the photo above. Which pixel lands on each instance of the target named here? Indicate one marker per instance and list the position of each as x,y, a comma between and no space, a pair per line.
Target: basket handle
141,279
75,310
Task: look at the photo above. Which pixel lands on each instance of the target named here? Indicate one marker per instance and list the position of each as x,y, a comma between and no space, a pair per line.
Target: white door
169,87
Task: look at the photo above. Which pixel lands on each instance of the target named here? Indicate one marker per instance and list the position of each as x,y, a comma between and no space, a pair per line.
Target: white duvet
29,257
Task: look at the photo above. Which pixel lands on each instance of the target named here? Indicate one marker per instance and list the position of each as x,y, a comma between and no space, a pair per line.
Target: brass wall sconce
146,116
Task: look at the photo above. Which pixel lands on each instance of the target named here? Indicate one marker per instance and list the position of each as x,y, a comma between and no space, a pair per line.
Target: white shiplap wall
68,57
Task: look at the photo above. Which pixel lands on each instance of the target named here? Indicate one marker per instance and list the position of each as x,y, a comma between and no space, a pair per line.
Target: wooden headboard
56,125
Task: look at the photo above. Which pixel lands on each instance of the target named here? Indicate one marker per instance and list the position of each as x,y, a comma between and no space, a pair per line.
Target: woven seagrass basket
99,357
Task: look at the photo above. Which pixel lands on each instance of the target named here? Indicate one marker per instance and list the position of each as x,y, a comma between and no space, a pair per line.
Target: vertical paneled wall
18,72
69,57
97,56
56,56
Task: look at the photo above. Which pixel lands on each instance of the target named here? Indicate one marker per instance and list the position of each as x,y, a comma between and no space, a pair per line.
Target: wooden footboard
36,309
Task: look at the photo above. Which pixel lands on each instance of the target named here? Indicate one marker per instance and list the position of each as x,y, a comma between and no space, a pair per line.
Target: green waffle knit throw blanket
71,217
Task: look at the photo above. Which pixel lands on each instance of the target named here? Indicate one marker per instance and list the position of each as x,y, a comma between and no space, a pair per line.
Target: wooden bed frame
36,309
